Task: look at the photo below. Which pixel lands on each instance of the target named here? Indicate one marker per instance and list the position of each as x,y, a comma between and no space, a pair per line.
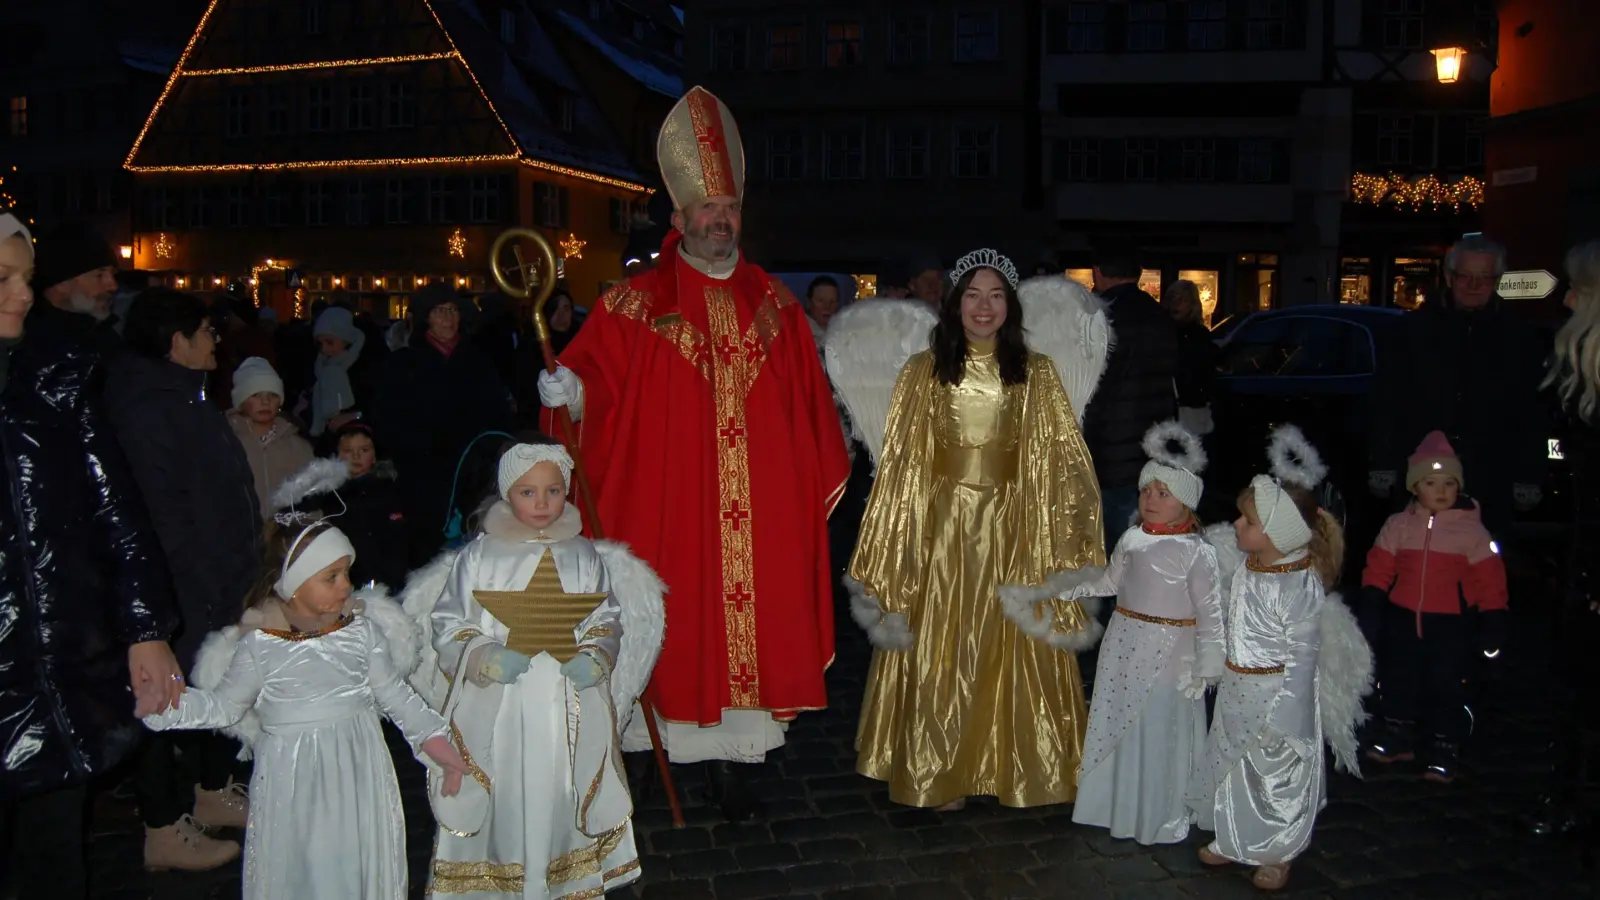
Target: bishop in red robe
714,450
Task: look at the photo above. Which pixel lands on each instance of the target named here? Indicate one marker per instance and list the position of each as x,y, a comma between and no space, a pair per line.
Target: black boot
1443,763
1392,742
726,785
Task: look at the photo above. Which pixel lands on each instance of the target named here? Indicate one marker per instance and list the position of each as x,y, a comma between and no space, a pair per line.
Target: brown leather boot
184,846
1271,878
225,808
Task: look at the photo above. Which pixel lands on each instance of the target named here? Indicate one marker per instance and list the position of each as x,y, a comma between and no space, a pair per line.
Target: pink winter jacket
1437,563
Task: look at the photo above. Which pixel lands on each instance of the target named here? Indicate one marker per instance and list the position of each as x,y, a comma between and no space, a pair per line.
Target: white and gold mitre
699,150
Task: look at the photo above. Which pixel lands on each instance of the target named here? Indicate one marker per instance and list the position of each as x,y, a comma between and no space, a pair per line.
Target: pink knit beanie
1434,456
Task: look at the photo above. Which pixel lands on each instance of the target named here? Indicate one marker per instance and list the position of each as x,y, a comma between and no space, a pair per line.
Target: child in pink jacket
1442,587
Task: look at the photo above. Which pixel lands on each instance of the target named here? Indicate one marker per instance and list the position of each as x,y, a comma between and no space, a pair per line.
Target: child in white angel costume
1147,724
548,638
301,681
1297,669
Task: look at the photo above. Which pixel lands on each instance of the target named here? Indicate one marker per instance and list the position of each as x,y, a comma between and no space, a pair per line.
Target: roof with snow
640,70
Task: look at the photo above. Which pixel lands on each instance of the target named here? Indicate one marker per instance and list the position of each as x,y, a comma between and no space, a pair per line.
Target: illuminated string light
335,64
588,176
1429,190
329,164
572,246
177,72
163,246
458,244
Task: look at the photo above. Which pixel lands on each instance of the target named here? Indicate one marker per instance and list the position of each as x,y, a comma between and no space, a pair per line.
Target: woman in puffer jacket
1438,578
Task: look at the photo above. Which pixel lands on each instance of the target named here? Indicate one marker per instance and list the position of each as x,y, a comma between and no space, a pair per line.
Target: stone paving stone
832,850
750,885
1131,870
999,886
819,876
766,856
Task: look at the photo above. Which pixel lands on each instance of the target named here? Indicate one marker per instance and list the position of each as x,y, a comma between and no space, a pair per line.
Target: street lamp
125,251
1448,61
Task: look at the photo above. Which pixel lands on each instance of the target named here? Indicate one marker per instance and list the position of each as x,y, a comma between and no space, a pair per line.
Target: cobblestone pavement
831,833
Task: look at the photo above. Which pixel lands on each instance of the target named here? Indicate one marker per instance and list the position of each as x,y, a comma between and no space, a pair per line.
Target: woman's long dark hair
950,336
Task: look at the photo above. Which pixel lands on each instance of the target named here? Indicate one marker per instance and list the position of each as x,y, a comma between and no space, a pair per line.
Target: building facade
1261,148
76,79
371,147
878,129
1544,178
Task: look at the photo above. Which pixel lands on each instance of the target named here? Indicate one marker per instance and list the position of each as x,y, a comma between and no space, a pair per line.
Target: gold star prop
542,617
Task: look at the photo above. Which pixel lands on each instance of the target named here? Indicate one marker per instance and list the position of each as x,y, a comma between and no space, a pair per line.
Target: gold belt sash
541,618
1155,620
1255,670
976,465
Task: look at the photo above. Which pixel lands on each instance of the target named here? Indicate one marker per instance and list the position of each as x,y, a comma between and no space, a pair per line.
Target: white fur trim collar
502,523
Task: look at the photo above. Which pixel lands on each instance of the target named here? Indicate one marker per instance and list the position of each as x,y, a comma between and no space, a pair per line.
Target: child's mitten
503,664
438,749
583,671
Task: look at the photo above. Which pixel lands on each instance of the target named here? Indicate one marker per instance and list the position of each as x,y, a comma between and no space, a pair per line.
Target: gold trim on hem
584,861
1155,620
1255,670
473,877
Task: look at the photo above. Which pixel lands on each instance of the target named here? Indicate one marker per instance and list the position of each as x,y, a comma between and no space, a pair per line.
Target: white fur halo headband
985,259
1178,469
516,462
1294,462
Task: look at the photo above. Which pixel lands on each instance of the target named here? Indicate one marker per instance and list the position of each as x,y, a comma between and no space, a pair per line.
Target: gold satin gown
980,485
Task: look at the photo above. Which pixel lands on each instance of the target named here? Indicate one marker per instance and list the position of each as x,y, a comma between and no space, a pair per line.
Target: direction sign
1533,284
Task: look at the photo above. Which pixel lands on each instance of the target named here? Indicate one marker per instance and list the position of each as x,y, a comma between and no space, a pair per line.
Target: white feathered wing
421,595
1344,677
1067,323
866,346
398,630
641,595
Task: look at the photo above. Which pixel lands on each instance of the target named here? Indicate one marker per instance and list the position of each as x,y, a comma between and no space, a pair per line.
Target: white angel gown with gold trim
1145,733
1263,779
546,813
325,817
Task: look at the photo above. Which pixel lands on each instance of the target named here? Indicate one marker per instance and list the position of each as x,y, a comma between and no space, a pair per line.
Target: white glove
583,671
1381,483
562,389
1526,496
502,664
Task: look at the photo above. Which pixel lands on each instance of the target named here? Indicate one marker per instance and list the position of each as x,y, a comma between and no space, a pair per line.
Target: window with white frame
483,203
199,207
1403,24
549,204
977,36
1395,134
1141,158
1208,24
440,200
361,107
786,154
357,210
238,206
974,152
395,208
843,46
401,109
319,107
786,47
908,38
1198,159
621,216
1267,25
844,153
728,48
908,152
1086,27
1077,159
316,194
1147,26
1255,160
238,112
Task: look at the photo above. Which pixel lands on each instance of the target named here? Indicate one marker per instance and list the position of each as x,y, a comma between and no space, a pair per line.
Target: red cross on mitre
710,134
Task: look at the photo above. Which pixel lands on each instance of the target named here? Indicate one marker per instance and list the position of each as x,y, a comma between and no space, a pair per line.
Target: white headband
1178,469
519,459
1280,518
325,549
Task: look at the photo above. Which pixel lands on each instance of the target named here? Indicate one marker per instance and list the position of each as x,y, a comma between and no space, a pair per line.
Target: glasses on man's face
1471,279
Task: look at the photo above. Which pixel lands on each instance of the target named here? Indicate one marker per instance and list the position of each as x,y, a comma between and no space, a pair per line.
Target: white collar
721,271
502,523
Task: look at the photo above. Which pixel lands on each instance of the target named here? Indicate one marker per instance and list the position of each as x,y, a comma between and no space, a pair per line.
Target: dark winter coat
1577,631
374,520
197,483
81,330
1197,365
81,575
1474,375
1136,391
429,409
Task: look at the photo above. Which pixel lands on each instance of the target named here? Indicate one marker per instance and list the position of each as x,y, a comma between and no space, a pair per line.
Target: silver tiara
985,258
295,517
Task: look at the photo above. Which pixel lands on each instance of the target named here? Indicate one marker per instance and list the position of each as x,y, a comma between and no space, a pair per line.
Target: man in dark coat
85,602
74,284
439,393
1136,391
1470,367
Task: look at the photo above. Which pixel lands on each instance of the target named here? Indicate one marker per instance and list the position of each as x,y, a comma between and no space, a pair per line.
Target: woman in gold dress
983,482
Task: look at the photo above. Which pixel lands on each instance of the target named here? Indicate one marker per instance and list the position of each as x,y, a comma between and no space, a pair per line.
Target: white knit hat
255,376
516,462
1294,462
1176,460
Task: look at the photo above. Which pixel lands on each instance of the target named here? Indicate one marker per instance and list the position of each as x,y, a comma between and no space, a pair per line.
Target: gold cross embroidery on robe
542,617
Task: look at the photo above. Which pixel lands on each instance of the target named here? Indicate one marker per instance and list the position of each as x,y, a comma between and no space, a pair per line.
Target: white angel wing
423,589
866,346
402,634
644,625
1344,677
1230,558
1068,324
210,665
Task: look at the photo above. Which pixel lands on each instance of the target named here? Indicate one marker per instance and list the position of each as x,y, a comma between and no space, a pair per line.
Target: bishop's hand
503,665
438,749
562,388
583,670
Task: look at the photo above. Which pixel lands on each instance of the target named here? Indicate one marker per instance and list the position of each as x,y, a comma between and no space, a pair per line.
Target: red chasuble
714,450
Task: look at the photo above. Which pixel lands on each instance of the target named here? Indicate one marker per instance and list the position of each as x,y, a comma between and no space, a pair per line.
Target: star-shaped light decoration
458,244
572,247
163,247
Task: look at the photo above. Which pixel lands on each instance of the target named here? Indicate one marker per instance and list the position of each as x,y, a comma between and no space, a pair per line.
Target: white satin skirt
1138,790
